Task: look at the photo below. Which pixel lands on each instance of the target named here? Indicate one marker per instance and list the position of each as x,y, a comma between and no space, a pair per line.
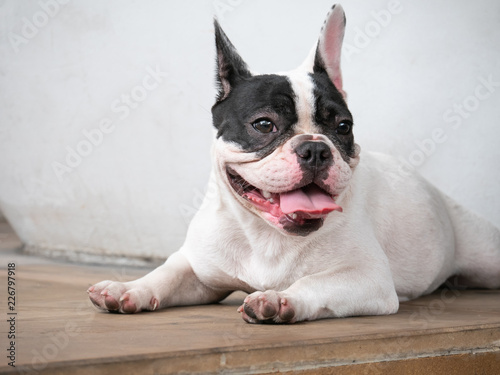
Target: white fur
303,87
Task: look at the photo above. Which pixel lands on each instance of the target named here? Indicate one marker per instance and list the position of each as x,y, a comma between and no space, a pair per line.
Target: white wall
135,190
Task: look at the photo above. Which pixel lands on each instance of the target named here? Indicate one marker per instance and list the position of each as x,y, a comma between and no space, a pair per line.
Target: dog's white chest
265,274
270,264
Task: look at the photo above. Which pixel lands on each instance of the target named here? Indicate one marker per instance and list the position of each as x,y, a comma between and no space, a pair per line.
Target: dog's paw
267,307
122,297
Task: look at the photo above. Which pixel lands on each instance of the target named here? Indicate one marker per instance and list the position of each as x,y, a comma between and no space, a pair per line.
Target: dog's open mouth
300,211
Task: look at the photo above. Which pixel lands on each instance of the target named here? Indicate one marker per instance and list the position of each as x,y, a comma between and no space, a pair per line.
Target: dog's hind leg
477,248
172,284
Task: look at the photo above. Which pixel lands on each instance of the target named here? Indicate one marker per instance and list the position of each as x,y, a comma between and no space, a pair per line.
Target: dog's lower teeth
292,216
271,200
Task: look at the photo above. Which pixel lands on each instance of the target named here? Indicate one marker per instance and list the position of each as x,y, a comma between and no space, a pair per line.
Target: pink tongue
310,199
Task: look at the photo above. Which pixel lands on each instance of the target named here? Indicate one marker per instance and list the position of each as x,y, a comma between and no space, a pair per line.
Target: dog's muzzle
303,208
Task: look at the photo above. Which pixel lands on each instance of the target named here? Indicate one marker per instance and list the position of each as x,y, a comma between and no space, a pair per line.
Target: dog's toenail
154,302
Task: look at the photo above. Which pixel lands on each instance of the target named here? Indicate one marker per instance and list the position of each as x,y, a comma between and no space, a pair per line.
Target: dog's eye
264,126
344,128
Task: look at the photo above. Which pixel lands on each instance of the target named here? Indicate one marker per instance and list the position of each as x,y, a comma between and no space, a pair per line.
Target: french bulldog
302,220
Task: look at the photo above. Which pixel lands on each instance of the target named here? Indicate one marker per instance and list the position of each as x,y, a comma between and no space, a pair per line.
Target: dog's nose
314,154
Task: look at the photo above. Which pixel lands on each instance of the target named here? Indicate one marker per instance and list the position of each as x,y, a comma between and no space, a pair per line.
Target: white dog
301,220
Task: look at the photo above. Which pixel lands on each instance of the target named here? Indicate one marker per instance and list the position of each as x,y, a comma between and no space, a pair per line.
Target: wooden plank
59,331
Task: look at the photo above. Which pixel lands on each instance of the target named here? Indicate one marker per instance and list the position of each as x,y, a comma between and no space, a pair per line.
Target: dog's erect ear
230,66
327,55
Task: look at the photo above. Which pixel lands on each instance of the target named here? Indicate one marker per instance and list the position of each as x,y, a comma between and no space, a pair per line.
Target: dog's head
285,147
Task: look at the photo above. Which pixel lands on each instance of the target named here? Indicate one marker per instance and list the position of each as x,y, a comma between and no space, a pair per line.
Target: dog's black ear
230,66
327,57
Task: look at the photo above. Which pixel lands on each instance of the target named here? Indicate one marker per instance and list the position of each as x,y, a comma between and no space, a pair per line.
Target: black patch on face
269,97
330,111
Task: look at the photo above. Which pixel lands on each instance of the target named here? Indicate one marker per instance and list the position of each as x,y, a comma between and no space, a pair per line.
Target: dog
302,220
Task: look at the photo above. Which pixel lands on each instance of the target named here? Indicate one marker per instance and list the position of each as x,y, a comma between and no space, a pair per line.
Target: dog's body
300,218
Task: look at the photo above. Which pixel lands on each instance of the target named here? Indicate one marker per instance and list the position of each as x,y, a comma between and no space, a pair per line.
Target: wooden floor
58,331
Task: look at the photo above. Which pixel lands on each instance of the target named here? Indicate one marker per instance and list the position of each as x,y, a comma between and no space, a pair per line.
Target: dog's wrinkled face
284,141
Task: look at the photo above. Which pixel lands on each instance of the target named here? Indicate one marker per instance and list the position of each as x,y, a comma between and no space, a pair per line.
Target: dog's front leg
343,292
172,284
